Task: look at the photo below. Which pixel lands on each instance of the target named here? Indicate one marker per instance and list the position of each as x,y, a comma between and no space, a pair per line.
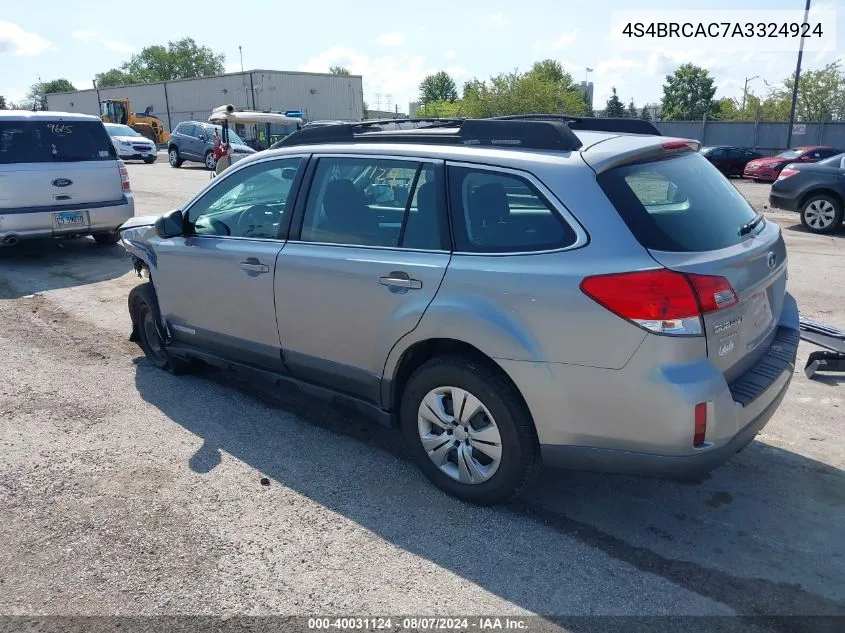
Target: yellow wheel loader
120,111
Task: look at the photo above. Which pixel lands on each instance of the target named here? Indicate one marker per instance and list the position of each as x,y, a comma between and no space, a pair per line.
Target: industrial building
317,95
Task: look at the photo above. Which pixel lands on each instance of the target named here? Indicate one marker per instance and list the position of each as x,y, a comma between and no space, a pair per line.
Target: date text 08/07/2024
418,624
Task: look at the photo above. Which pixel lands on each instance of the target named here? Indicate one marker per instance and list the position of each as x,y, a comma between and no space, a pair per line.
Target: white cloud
391,39
498,19
14,40
565,39
449,54
120,47
616,65
396,75
85,35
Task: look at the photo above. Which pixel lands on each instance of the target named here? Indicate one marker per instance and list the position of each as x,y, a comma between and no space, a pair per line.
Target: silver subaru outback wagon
582,293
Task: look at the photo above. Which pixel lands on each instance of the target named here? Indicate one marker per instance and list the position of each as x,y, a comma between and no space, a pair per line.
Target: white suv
60,177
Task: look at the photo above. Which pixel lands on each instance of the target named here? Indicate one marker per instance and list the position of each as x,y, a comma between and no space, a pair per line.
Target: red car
768,168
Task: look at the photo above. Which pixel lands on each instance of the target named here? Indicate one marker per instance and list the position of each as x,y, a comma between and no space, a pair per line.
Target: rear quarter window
47,141
678,204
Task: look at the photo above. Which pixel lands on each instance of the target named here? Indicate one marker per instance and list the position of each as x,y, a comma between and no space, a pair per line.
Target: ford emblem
62,182
771,261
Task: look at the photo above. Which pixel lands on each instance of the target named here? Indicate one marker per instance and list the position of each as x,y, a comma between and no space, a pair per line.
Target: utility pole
745,90
797,77
241,52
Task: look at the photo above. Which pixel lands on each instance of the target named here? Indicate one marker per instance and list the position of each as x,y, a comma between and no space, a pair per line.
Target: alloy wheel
820,214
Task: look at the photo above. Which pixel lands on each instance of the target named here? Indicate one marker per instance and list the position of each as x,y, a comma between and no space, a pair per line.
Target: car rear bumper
97,218
781,200
640,420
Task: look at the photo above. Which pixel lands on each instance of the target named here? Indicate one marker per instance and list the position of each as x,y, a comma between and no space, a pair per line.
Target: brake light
700,424
661,301
786,172
671,145
124,177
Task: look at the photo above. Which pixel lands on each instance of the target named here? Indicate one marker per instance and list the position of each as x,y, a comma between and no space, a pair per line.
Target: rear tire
146,325
471,436
821,214
173,157
210,161
104,239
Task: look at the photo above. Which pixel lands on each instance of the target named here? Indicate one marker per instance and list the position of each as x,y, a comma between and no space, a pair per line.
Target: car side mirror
170,225
289,173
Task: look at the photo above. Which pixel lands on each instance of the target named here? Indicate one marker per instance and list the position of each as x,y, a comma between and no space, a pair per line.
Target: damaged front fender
136,237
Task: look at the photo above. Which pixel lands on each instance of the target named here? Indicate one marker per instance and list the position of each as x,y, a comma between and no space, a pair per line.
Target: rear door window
679,204
47,141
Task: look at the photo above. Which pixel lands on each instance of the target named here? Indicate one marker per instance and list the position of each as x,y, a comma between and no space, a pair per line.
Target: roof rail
592,124
524,134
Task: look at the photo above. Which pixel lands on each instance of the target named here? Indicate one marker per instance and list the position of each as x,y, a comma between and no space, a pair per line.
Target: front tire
173,157
821,214
143,310
469,430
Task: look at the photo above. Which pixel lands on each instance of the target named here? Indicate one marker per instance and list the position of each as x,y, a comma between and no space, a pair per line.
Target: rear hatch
55,163
693,220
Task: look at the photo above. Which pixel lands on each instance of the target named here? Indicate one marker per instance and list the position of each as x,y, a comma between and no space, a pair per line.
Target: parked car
130,144
815,190
769,168
573,297
729,160
60,177
195,141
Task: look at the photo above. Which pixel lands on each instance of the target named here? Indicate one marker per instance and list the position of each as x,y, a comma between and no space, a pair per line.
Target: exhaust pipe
10,240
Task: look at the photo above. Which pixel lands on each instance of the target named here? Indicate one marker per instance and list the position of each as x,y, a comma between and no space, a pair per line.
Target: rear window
53,141
679,204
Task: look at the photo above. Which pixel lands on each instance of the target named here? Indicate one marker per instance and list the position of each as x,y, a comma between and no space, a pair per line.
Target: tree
645,115
339,70
438,87
588,107
614,106
182,59
631,112
688,94
820,95
36,97
2,102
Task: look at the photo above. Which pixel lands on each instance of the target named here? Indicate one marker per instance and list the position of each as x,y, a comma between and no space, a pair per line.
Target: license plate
70,219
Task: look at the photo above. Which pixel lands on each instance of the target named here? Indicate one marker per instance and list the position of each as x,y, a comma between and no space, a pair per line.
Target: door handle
400,280
255,267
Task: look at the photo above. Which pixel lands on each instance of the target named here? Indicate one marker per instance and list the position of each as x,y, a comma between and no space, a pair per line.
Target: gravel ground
126,491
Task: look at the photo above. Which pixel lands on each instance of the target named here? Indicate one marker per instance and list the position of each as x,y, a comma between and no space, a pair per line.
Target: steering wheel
257,216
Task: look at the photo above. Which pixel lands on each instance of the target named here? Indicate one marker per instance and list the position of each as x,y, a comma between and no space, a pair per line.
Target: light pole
745,90
795,84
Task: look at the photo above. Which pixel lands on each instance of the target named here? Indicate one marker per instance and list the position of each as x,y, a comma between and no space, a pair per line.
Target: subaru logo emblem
771,261
62,182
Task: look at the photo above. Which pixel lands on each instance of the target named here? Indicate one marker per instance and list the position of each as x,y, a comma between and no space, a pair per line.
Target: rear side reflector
700,424
661,301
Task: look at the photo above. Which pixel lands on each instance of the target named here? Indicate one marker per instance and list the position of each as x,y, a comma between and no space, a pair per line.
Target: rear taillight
661,301
124,177
786,172
700,424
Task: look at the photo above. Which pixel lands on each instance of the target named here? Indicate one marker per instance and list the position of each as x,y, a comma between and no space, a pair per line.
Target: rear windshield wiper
746,228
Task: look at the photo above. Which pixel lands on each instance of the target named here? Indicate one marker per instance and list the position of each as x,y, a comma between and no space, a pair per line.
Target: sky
393,46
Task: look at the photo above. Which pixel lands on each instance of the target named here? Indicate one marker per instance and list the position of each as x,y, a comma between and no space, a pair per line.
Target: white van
60,177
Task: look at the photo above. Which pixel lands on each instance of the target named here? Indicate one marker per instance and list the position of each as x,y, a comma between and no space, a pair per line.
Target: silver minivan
60,177
574,292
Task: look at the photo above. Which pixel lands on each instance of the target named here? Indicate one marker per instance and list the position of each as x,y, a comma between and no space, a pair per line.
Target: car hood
133,139
757,162
139,220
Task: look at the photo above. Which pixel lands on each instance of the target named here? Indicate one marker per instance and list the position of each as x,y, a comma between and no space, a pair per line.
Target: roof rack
524,131
592,124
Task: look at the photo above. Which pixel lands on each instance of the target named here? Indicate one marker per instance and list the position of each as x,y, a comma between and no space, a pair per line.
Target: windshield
680,204
121,130
45,141
790,153
234,139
